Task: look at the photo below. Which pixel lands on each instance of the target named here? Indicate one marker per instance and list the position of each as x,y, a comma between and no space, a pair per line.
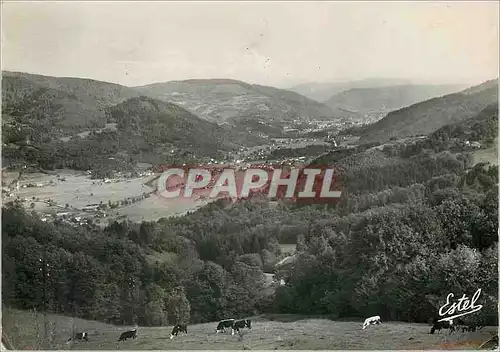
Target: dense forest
415,222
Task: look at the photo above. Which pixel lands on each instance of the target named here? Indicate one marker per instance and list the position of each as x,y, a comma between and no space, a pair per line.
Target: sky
269,43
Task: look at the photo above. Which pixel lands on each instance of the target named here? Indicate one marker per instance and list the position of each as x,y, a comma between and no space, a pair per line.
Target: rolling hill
425,117
385,99
235,102
63,103
159,125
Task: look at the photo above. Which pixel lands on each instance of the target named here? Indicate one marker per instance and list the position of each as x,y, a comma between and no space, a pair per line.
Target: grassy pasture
288,248
287,332
487,155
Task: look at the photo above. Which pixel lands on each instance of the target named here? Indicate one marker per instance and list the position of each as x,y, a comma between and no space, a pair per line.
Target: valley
76,198
81,198
250,175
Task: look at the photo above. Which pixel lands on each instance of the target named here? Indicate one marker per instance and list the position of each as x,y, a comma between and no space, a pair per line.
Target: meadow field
78,190
271,333
288,248
487,155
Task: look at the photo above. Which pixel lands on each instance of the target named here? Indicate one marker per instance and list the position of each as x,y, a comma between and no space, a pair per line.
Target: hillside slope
428,116
296,333
231,101
385,99
147,130
160,125
65,103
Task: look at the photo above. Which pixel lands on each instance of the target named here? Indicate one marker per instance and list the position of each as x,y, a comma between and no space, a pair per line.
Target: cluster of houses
475,145
117,175
301,126
66,217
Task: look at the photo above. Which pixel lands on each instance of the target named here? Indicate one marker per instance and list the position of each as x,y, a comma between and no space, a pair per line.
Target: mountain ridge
323,91
389,98
429,115
80,102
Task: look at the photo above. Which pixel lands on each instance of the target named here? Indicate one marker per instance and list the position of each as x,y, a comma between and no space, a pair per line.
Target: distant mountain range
323,91
386,99
427,116
212,116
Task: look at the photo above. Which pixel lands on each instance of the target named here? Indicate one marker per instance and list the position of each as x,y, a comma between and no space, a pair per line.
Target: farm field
288,248
487,155
306,334
78,191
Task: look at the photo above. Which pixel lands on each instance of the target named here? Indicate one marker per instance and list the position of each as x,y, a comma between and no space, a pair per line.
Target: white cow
371,320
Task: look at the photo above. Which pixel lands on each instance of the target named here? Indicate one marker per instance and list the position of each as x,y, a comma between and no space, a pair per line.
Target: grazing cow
224,324
128,334
177,329
438,325
459,324
240,324
371,320
79,336
471,327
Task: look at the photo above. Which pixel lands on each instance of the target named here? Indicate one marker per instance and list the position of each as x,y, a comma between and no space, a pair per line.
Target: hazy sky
279,43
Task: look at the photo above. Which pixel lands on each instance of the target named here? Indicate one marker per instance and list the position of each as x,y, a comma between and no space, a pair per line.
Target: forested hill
157,125
147,130
426,117
62,102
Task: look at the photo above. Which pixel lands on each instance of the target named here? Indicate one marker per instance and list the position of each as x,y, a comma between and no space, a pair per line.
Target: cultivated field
317,334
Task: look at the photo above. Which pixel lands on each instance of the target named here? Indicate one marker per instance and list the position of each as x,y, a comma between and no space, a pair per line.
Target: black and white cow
128,334
224,324
79,336
240,324
177,329
438,325
471,327
371,320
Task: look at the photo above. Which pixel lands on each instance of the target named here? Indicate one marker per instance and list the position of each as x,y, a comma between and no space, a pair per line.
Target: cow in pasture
466,326
177,329
438,325
371,320
471,327
79,336
240,324
224,324
459,324
128,334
